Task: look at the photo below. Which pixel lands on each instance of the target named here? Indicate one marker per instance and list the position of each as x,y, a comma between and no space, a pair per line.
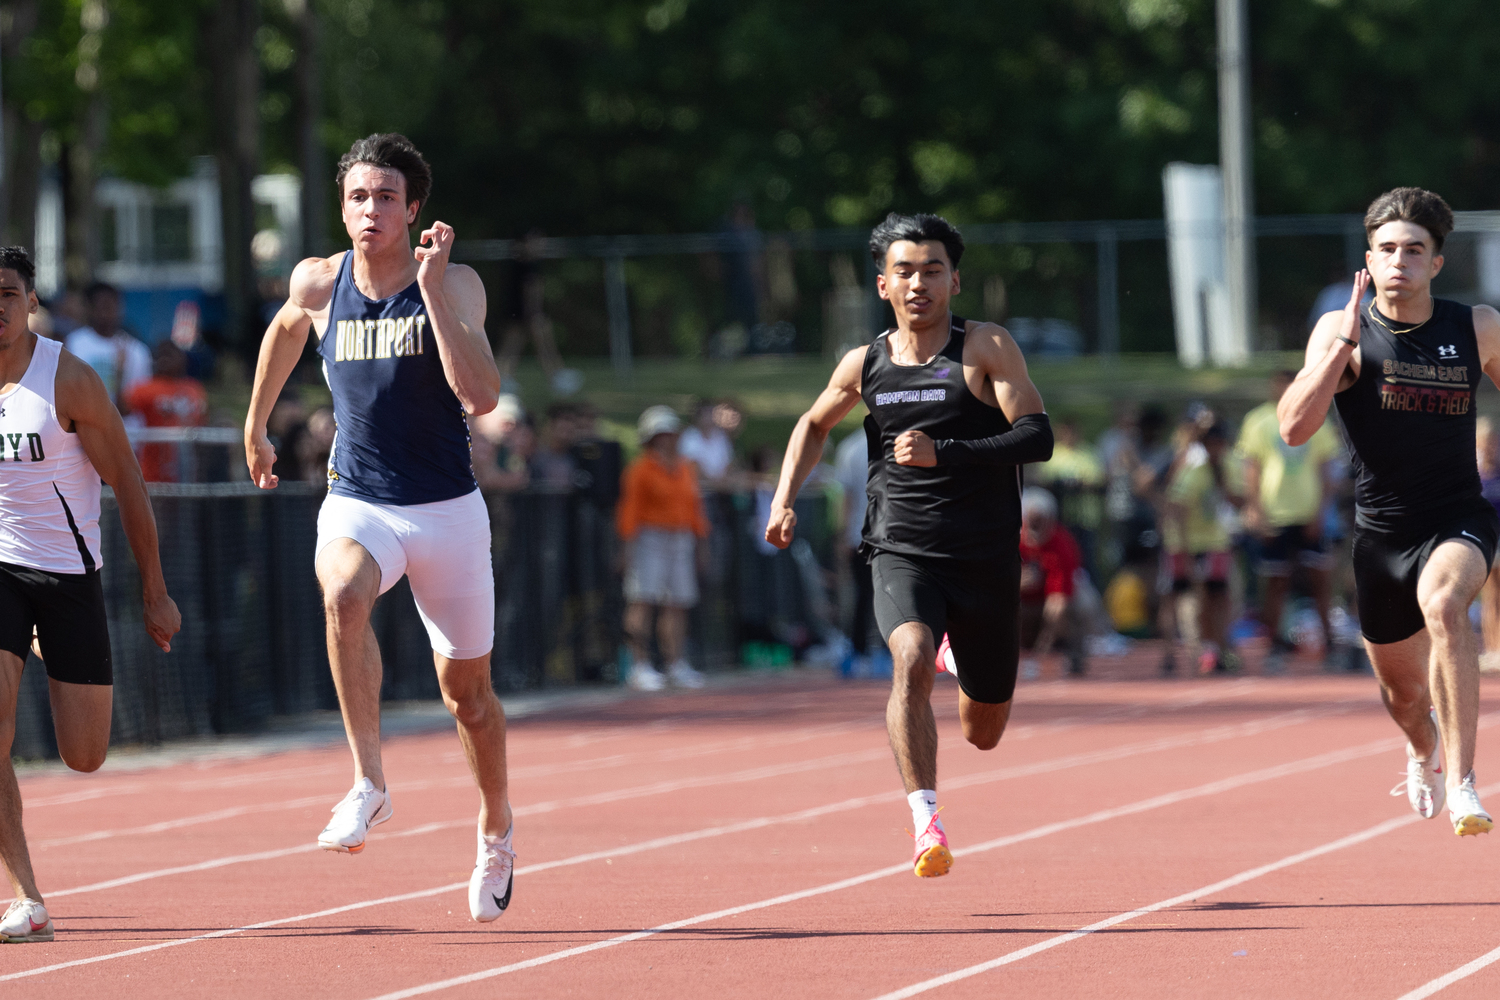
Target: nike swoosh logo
502,903
1467,535
36,926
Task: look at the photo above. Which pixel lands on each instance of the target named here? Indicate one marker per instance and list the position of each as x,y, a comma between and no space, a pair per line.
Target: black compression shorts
1387,566
67,611
976,601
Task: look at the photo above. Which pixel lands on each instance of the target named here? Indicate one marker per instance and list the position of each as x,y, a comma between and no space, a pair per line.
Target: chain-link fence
239,563
1062,288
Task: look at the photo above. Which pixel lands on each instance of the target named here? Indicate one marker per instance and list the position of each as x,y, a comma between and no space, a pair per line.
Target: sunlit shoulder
311,285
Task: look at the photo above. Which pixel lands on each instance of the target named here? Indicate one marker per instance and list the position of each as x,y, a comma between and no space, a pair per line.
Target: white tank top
49,491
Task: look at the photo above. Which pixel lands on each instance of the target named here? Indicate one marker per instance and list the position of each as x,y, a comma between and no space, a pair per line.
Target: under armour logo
1448,352
2,411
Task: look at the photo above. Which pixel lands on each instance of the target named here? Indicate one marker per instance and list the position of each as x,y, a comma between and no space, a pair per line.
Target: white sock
923,808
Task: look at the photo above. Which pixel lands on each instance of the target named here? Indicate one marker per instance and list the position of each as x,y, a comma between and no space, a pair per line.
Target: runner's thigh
452,576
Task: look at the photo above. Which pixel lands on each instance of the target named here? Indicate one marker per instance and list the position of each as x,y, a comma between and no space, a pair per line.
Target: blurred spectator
1197,545
499,453
286,427
852,462
597,461
122,361
553,463
709,442
1050,561
167,399
316,445
69,312
1487,448
661,521
1286,501
1076,479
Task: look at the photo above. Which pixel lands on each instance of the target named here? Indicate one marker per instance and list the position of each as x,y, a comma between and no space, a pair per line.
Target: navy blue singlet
402,438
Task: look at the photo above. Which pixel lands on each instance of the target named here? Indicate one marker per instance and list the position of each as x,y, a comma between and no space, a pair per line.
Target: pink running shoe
945,657
933,857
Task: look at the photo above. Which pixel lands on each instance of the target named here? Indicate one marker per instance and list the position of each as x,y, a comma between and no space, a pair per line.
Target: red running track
1129,838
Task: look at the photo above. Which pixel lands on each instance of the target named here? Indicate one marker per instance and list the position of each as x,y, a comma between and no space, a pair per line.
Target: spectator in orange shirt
660,519
169,398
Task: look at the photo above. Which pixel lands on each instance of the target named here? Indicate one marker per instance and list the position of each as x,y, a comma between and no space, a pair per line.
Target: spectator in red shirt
169,398
1049,559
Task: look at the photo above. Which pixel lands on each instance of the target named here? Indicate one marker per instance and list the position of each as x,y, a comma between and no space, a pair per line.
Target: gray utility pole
1238,172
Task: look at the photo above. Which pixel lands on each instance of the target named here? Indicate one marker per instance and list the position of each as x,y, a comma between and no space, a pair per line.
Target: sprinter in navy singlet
952,416
402,435
402,341
1403,370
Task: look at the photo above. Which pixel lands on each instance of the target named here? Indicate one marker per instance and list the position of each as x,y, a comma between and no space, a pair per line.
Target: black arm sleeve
1028,440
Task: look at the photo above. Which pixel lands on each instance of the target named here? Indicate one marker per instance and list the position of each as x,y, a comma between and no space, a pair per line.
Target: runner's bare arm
83,407
310,291
456,307
1332,365
806,445
1030,438
1487,332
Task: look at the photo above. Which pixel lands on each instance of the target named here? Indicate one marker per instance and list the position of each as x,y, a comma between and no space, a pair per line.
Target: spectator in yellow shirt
1286,493
1197,544
660,519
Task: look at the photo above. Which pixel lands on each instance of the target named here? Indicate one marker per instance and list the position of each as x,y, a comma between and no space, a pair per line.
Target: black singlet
1409,419
968,511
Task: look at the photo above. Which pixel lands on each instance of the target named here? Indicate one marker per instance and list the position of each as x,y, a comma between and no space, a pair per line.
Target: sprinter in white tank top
60,436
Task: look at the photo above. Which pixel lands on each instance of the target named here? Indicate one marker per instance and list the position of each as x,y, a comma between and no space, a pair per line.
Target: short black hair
98,288
917,229
1414,205
18,260
394,152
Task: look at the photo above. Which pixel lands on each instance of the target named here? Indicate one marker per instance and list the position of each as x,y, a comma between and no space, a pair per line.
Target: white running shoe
1469,817
683,675
365,806
493,878
645,677
1424,786
25,921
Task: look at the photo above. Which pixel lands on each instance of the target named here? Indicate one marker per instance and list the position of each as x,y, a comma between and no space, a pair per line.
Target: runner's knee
346,602
83,758
986,737
1443,610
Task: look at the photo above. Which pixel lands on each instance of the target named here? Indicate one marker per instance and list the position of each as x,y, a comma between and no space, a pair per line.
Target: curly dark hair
18,260
1414,205
395,152
917,229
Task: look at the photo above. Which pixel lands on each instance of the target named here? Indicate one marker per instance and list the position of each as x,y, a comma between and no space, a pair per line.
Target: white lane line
1378,830
1048,830
1017,733
1462,972
1214,735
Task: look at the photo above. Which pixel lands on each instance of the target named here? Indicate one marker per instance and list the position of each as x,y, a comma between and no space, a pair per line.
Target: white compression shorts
443,548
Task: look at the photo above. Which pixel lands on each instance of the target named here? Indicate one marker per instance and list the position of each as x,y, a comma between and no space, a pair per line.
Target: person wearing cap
660,519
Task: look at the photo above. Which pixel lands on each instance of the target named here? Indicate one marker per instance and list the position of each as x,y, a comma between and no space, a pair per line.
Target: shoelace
356,797
18,904
1400,788
930,824
496,865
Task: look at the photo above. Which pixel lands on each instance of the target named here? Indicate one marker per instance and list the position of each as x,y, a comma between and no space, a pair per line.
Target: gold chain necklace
1376,317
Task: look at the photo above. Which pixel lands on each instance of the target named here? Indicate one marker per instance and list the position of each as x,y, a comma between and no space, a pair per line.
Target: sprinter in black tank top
1403,371
952,415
